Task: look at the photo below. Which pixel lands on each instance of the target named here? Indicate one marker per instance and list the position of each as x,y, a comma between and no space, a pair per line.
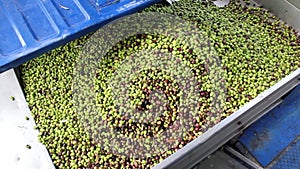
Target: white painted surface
17,132
221,3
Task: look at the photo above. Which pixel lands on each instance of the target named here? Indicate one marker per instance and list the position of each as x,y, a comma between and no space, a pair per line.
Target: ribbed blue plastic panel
32,27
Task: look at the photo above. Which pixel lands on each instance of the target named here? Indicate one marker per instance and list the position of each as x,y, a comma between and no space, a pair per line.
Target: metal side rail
286,10
20,148
214,138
